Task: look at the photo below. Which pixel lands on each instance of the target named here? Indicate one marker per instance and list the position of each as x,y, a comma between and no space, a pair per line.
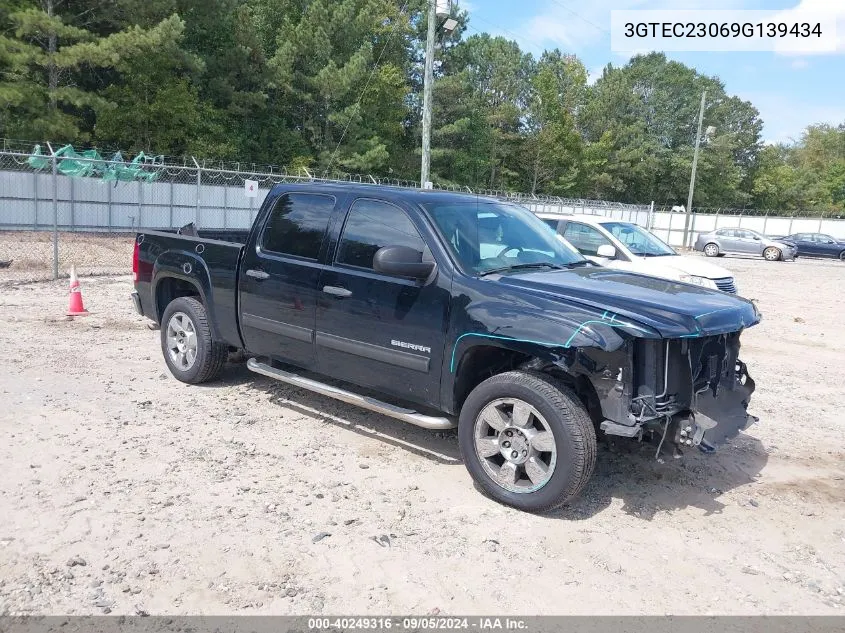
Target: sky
790,90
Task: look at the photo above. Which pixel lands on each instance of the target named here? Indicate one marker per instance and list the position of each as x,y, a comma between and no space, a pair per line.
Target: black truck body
371,286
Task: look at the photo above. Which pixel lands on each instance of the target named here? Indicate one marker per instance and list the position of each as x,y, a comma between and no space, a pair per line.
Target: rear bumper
136,301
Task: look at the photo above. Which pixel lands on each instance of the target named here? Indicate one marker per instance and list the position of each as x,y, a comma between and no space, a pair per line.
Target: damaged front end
687,391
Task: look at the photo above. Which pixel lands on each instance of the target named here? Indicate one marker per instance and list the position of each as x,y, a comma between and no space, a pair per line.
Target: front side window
372,224
486,235
639,241
585,238
297,224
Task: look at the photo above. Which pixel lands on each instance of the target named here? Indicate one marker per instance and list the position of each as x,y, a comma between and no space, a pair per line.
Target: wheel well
171,288
481,362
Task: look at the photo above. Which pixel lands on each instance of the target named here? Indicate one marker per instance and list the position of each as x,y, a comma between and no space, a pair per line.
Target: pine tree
45,60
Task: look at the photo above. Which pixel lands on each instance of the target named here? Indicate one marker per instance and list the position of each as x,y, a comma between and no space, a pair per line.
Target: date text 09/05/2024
422,623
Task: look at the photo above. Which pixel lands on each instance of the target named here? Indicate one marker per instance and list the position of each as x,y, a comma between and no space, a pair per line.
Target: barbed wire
18,154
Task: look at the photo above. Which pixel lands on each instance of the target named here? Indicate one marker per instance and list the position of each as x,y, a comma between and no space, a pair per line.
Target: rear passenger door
586,239
806,243
379,331
729,241
279,275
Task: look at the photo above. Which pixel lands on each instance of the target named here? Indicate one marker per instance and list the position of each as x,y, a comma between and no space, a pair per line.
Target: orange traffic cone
75,307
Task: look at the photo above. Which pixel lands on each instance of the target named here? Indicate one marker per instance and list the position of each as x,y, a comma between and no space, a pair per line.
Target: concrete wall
26,202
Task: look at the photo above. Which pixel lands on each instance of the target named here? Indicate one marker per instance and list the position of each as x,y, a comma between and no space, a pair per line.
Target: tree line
336,85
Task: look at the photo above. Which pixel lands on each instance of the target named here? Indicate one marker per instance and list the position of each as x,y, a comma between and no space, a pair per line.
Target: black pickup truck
444,310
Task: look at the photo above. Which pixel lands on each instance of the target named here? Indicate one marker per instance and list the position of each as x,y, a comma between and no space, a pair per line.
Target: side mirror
606,251
402,261
757,237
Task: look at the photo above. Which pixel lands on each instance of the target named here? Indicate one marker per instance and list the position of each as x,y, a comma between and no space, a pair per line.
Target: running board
406,415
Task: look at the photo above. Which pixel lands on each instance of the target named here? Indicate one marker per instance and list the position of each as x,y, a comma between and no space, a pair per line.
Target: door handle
257,274
337,292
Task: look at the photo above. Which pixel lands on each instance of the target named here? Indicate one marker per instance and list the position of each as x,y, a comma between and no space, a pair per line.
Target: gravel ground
125,491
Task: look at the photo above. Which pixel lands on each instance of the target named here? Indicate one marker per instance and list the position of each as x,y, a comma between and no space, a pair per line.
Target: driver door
386,332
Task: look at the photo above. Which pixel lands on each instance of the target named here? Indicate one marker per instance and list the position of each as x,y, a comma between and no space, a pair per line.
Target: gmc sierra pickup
454,310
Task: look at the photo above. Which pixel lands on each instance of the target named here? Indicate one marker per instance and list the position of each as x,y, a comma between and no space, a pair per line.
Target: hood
672,309
675,265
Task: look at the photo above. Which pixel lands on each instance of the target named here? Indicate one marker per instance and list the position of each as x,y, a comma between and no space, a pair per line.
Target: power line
579,16
504,30
366,85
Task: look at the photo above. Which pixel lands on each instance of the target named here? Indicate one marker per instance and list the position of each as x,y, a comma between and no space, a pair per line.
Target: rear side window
551,222
372,224
585,238
297,224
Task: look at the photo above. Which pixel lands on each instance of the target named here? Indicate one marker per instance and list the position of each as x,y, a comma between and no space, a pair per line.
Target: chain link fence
62,207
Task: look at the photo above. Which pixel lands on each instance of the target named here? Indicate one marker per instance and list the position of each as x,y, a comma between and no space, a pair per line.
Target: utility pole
428,80
694,167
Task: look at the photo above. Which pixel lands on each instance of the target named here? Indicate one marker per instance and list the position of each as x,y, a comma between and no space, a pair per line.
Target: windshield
487,236
638,240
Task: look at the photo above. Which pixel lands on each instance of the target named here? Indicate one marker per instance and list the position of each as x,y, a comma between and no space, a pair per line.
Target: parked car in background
627,246
816,244
745,242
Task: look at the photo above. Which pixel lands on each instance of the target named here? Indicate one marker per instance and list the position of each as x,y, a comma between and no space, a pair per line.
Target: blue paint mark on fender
565,345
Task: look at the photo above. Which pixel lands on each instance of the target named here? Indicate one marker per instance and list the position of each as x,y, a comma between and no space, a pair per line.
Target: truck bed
206,263
233,236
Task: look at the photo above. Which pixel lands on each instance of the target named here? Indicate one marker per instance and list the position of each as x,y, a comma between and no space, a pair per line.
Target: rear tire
711,250
842,256
190,351
544,449
772,254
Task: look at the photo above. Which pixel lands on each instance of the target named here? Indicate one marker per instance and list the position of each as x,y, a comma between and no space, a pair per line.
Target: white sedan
626,246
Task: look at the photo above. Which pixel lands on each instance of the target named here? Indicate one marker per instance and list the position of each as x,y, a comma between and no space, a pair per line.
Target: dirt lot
124,490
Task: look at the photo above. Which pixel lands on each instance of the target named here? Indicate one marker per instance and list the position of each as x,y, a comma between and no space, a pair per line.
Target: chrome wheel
515,445
711,250
771,254
181,341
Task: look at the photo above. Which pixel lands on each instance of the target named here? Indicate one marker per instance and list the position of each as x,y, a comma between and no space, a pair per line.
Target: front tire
190,351
527,440
772,254
711,250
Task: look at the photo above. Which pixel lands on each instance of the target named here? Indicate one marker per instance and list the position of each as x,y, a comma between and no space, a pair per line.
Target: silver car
745,242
